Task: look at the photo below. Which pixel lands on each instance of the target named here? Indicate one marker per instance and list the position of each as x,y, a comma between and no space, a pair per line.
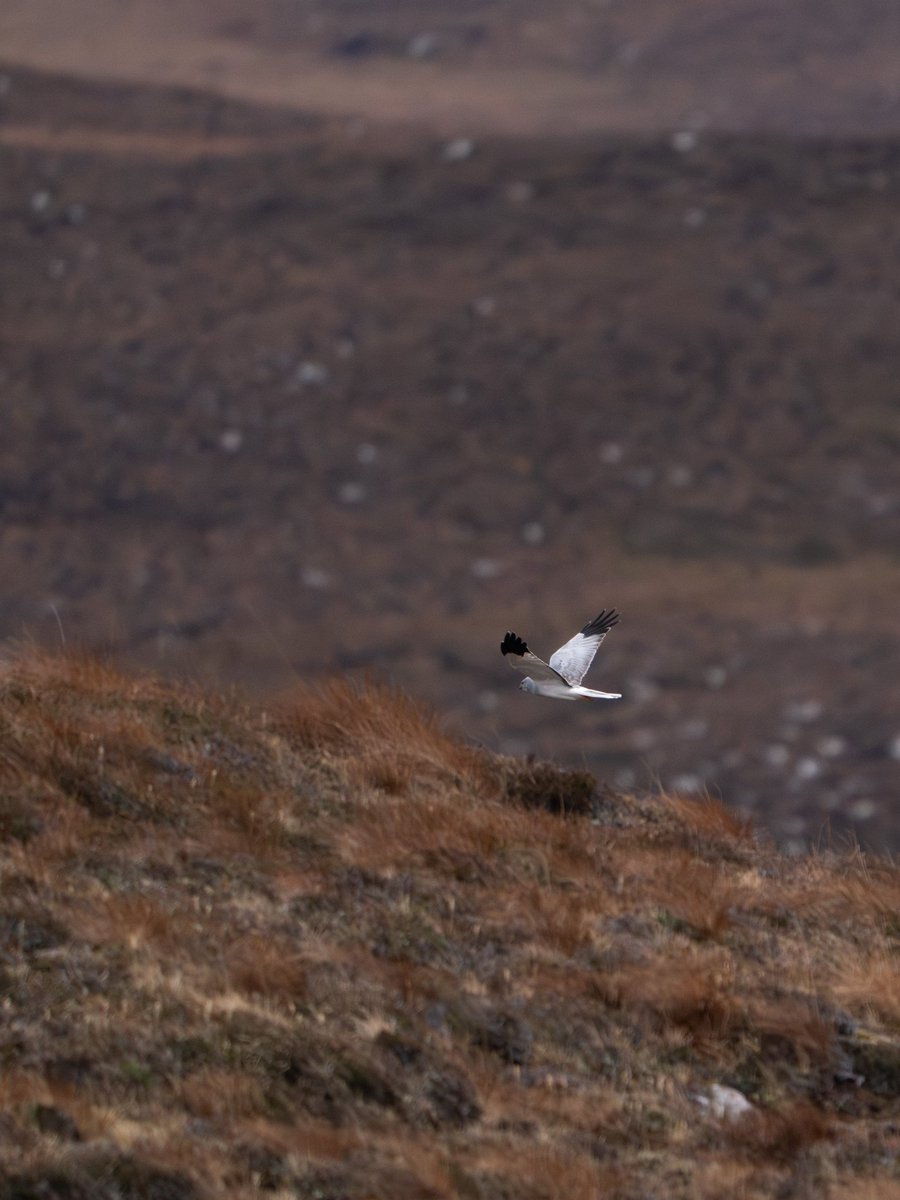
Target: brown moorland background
339,338
343,337
321,948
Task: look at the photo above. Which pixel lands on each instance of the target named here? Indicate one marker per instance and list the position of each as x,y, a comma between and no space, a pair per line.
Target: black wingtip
512,644
602,622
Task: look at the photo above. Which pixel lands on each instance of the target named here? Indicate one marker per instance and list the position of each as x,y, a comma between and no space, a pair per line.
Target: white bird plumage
561,678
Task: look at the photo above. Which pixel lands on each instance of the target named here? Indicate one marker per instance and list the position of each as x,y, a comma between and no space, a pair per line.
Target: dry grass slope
327,949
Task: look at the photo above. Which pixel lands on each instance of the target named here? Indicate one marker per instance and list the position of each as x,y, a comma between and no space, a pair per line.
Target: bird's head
527,685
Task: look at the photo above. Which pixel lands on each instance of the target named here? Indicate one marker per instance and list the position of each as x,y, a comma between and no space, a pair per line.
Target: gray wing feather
572,660
529,664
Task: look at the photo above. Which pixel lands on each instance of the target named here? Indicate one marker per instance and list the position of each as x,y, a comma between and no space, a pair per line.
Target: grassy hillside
325,949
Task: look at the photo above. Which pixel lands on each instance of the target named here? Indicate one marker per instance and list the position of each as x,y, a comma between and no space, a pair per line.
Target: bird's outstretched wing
573,659
520,658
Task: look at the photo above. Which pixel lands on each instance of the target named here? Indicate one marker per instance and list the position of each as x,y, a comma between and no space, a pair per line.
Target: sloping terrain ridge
323,948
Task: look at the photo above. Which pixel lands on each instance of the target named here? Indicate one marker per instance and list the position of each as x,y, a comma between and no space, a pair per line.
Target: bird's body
560,679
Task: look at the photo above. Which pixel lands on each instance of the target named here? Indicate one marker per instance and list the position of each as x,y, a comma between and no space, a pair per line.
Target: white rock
804,711
423,45
311,374
725,1102
458,149
533,533
684,140
862,809
695,218
231,440
715,676
687,783
808,769
486,568
832,745
611,453
366,453
776,755
680,476
351,493
315,577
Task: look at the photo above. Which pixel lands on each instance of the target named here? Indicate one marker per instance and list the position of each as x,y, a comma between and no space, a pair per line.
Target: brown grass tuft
266,966
781,1134
544,1172
136,921
693,996
378,739
870,984
693,895
709,818
790,1028
216,1094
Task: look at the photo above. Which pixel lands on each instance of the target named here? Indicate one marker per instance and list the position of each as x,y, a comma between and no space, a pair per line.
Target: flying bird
561,677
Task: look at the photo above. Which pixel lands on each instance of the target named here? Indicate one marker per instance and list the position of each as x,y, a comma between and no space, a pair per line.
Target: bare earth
318,385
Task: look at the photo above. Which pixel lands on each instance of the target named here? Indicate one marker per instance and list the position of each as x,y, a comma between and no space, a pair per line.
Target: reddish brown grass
266,966
791,1027
545,1172
136,921
870,985
694,995
390,738
782,1134
693,894
219,1094
709,818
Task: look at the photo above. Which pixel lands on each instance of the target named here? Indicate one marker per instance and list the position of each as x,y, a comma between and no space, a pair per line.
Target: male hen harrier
561,677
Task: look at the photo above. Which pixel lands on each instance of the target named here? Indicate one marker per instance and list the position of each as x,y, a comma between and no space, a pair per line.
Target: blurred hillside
320,948
308,387
513,66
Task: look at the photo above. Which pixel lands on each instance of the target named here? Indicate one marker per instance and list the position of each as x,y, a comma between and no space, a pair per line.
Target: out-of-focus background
343,336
